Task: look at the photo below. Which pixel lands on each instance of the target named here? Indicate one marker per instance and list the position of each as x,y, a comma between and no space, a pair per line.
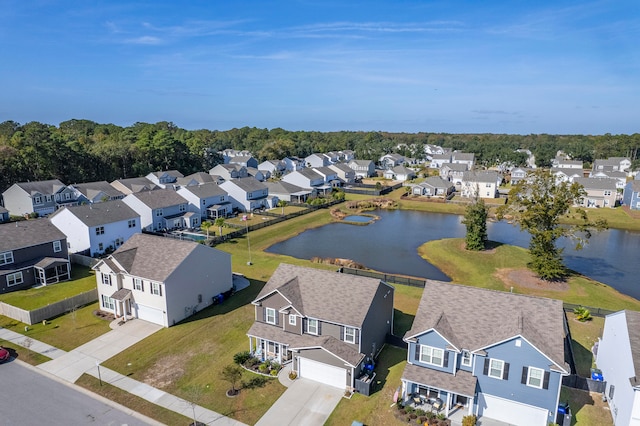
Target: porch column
280,353
448,404
470,410
250,344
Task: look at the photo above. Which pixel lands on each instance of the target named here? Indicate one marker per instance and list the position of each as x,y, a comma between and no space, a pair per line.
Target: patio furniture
417,400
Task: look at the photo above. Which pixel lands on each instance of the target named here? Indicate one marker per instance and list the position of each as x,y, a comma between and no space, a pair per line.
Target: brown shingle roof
633,325
463,382
159,198
27,233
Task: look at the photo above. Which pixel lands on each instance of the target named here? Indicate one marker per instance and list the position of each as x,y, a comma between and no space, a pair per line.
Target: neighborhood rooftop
100,213
27,233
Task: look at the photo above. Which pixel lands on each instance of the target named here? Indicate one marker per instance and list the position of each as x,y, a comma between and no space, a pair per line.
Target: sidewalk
85,359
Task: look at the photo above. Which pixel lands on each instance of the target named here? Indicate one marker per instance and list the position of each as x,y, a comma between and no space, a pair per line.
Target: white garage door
514,413
323,373
150,314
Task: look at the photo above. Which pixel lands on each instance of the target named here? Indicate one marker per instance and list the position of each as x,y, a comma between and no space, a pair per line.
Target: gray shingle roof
477,318
310,174
136,184
91,189
282,187
436,182
633,325
248,184
462,382
159,198
480,176
201,177
27,233
206,190
597,183
100,213
456,167
44,187
327,295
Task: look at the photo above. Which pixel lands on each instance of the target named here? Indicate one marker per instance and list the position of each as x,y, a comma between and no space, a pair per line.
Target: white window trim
131,223
138,284
108,303
292,319
6,258
155,289
268,311
57,246
350,340
315,321
469,360
106,279
99,230
429,351
501,368
16,277
529,377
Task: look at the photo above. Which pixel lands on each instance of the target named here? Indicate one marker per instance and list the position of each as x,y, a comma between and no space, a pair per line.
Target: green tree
219,222
537,203
283,204
232,373
475,219
206,225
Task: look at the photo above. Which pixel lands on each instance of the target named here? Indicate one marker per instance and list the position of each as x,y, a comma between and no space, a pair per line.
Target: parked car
4,354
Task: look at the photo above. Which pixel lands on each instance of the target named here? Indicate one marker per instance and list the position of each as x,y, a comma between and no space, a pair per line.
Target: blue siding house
631,195
494,354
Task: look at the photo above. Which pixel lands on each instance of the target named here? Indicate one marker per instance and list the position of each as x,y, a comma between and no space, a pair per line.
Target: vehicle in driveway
4,354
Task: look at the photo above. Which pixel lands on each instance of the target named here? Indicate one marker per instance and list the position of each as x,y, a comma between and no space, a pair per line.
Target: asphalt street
31,398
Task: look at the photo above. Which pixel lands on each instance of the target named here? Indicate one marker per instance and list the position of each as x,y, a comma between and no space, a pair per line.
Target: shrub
441,416
582,314
264,367
275,366
430,415
469,420
274,372
251,362
293,375
420,412
410,409
255,382
241,357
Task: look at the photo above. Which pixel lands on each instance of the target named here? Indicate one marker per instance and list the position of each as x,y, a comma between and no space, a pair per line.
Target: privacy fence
50,311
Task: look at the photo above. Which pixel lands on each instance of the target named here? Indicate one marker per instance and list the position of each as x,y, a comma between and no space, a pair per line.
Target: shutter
417,352
342,333
505,373
446,359
319,327
358,336
486,367
545,382
525,373
264,314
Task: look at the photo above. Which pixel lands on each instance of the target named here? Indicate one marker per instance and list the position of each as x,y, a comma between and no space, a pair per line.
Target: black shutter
545,382
446,359
264,314
486,367
342,332
417,352
505,373
525,373
319,327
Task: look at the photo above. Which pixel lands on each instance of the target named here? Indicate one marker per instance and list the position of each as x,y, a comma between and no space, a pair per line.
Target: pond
391,243
358,219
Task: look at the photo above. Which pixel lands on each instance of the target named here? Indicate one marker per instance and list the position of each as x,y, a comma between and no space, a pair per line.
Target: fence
582,383
596,312
396,279
83,260
49,311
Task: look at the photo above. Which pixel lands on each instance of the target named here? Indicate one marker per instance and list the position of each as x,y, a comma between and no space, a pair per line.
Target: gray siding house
326,323
208,200
42,197
162,209
246,194
97,192
32,252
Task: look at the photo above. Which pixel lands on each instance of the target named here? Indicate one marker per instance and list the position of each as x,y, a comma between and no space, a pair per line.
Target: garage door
150,314
514,413
323,373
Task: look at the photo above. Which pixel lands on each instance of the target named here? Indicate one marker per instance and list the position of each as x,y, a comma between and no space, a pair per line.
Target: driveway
305,402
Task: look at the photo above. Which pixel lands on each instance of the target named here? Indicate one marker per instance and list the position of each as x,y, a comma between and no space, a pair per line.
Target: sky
514,66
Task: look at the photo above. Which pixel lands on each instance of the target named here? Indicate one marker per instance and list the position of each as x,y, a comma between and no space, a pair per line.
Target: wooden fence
50,311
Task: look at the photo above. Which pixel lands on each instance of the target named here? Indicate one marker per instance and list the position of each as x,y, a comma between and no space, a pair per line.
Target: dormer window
270,315
292,320
466,358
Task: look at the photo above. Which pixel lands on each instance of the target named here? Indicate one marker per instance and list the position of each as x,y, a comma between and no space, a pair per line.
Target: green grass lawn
82,280
24,354
583,336
587,408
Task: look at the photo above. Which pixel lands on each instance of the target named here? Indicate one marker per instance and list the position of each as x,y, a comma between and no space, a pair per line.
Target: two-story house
389,161
631,195
133,185
346,173
165,178
325,322
292,164
453,172
566,175
620,177
489,353
42,197
245,161
229,171
467,158
162,209
32,252
308,178
161,280
317,160
482,184
330,176
363,168
97,192
519,173
612,164
272,167
438,160
209,200
246,194
600,192
94,229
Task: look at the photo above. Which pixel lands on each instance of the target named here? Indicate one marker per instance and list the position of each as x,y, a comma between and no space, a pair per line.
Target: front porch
51,270
264,349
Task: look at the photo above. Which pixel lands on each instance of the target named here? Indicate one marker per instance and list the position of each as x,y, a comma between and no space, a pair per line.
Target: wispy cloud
144,40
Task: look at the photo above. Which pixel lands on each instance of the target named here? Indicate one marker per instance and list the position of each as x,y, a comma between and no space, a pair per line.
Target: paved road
30,398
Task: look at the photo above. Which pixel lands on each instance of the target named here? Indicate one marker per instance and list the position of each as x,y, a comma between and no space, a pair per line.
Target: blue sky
436,66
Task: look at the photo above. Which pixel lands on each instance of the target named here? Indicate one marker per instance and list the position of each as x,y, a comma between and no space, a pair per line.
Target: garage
323,373
150,314
514,412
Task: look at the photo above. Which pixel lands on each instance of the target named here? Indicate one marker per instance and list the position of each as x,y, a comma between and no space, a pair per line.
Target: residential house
519,173
165,178
42,197
209,200
363,168
333,156
246,194
162,209
162,280
97,192
566,175
464,158
347,155
400,173
274,167
309,179
229,171
289,192
564,163
618,357
431,149
493,354
612,164
198,178
438,160
134,185
453,172
32,252
228,154
389,161
326,323
433,186
620,177
601,192
93,229
631,195
482,184
4,215
256,174
292,164
346,173
244,160
330,176
317,160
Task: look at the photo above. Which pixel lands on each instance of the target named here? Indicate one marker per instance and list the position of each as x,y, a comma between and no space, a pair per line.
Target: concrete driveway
305,402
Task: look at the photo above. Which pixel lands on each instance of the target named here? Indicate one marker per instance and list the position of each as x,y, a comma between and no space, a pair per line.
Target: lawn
583,336
587,408
65,332
82,280
24,354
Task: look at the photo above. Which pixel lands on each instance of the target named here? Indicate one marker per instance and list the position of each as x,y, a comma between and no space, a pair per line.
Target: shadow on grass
236,301
389,357
577,399
401,322
79,272
583,359
492,245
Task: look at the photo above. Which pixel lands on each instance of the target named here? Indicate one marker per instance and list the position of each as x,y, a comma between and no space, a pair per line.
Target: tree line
83,150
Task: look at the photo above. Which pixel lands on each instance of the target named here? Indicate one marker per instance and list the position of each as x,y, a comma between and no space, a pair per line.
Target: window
6,258
14,279
108,302
155,289
106,279
100,247
292,320
607,193
138,284
270,315
37,200
99,230
118,242
48,198
159,212
183,207
535,377
312,326
57,246
349,335
131,223
431,355
611,390
67,196
466,358
496,368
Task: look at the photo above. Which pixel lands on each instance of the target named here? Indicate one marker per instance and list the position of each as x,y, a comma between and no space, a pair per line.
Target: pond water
357,218
390,245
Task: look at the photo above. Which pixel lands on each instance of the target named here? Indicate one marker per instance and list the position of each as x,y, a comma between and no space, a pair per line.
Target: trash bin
596,374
